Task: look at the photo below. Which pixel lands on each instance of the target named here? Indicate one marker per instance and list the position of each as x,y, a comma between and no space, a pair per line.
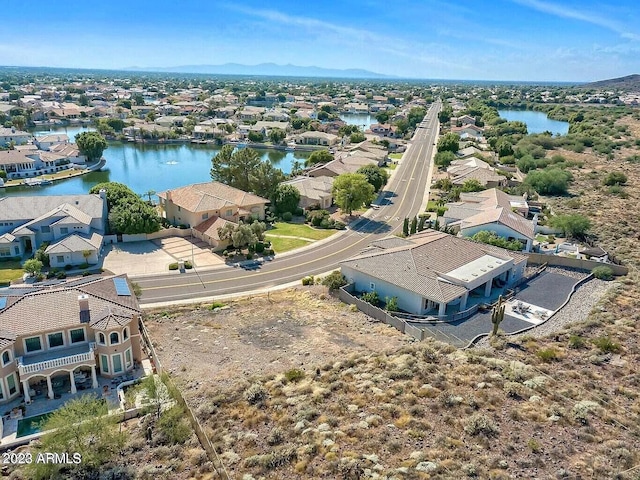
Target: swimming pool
31,425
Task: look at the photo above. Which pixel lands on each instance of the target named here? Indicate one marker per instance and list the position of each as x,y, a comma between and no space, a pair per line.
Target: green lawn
395,156
10,270
300,230
280,244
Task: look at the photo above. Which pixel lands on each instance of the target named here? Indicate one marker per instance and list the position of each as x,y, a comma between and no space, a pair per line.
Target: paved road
403,197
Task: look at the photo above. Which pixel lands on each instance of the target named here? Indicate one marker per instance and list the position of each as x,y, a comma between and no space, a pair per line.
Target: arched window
6,357
114,338
101,338
125,334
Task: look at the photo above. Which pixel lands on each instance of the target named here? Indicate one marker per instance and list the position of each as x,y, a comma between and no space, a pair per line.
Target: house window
229,213
11,383
179,209
64,230
1,391
77,335
127,358
6,358
125,333
32,344
45,229
205,216
60,258
55,340
117,363
114,338
101,338
17,250
104,362
372,286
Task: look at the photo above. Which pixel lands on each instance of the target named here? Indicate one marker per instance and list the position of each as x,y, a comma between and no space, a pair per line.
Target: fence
554,260
345,295
204,440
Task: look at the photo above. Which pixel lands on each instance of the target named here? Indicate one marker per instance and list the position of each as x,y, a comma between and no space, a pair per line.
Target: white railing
56,362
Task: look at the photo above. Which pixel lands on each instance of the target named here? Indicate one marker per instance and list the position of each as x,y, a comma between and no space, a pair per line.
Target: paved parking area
548,291
153,257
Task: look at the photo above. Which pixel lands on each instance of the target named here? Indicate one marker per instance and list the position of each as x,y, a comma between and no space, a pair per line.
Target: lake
144,167
537,122
360,119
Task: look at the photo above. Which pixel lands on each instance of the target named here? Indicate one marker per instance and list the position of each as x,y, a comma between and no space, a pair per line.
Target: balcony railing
57,362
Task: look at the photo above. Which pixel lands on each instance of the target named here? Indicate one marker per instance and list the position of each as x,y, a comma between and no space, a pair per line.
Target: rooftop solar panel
122,287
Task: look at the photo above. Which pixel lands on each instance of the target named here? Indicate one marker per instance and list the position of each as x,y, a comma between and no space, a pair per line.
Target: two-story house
59,338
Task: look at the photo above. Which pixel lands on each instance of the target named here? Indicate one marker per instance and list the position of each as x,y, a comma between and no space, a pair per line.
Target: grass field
395,156
299,230
281,245
10,271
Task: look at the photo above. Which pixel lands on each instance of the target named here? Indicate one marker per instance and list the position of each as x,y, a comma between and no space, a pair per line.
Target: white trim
130,362
102,370
128,334
24,344
114,343
98,338
15,382
113,368
2,390
64,343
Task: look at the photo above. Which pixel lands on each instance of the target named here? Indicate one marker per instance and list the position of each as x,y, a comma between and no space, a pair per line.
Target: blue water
145,167
361,120
537,122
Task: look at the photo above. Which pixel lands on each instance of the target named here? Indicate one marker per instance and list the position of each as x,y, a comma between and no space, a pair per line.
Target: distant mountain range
630,82
265,69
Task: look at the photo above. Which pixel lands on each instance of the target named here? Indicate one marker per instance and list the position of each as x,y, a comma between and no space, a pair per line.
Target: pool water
31,425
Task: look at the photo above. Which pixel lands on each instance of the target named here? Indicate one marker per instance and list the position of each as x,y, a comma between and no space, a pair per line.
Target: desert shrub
294,375
547,354
576,341
68,267
188,265
602,272
249,256
392,304
479,424
287,216
255,394
174,425
275,437
581,410
173,266
272,460
339,225
308,280
334,280
615,178
606,345
371,297
215,305
61,275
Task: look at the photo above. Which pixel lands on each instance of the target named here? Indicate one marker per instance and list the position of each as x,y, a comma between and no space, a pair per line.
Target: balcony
78,355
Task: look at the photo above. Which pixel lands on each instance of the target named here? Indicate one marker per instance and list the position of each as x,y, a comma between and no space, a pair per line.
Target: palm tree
149,194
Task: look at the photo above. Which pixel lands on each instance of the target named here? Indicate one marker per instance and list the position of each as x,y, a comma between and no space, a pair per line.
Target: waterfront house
60,338
205,207
45,142
316,138
13,136
314,191
31,163
433,273
72,225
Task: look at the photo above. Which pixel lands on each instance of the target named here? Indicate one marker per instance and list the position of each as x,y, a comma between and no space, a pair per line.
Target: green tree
277,135
491,238
131,217
91,145
574,226
255,137
405,227
33,267
443,159
286,199
554,181
19,121
391,304
83,100
449,142
472,185
504,148
319,156
414,225
258,228
376,176
116,192
243,236
357,137
421,223
382,117
351,191
138,99
80,427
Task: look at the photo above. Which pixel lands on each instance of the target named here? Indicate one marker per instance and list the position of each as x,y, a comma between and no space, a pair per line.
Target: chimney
103,193
168,195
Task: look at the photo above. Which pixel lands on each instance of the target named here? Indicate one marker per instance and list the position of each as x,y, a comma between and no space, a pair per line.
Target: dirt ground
299,328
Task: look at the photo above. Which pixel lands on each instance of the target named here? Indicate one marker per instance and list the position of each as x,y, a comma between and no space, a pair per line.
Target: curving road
403,197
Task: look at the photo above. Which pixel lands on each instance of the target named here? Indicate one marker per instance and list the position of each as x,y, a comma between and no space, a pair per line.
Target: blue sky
543,40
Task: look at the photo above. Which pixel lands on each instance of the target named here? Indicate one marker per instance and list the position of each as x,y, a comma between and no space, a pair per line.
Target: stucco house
432,273
316,138
62,337
205,207
72,225
314,191
494,211
11,135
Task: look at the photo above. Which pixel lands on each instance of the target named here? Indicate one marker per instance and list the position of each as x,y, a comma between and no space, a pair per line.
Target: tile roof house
72,225
207,206
62,336
492,210
432,273
314,191
316,138
18,137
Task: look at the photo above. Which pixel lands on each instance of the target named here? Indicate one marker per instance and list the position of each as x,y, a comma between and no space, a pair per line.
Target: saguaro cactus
497,315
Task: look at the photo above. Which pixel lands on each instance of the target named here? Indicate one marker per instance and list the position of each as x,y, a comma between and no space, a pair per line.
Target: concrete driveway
153,257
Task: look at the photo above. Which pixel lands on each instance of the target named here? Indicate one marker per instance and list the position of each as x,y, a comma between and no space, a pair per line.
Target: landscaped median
289,236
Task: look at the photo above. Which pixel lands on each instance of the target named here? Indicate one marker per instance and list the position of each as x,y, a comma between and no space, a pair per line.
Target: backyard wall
554,260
